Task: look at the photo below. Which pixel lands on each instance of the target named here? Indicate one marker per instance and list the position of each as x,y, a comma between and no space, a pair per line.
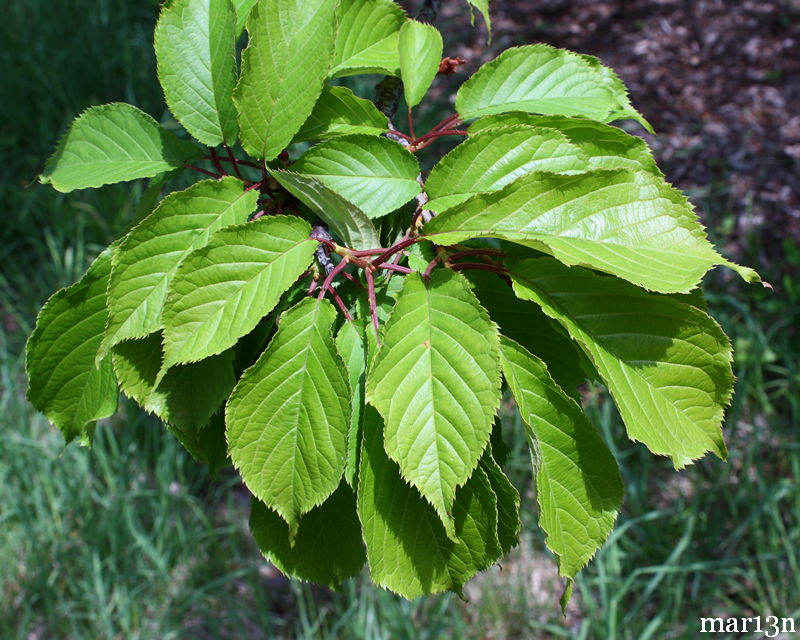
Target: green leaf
667,364
206,445
367,39
289,415
195,43
541,79
148,257
343,218
222,290
328,546
407,547
243,8
508,523
436,382
630,224
339,112
578,486
375,174
483,7
283,71
351,343
63,381
187,396
618,88
113,143
489,161
420,48
606,147
527,324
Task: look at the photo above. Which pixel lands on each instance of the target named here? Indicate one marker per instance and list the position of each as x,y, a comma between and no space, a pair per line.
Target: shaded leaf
63,381
339,112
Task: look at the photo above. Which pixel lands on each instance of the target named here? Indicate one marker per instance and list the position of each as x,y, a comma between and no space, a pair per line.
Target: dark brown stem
432,135
234,161
446,123
475,252
208,173
404,243
326,285
480,266
429,269
217,163
373,303
411,125
340,304
394,267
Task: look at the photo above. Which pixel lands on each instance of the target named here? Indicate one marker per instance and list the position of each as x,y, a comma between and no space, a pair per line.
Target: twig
326,285
480,266
235,161
208,173
405,242
215,160
373,303
394,267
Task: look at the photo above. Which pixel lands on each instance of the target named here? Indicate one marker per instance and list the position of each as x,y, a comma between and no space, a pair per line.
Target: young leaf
339,112
148,257
436,382
527,324
288,417
195,43
578,486
606,147
283,71
630,224
375,174
541,79
351,343
344,218
113,143
187,396
491,160
420,48
367,39
222,290
407,548
328,546
63,381
666,363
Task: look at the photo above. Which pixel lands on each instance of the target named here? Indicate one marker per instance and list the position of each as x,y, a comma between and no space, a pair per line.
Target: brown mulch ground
718,79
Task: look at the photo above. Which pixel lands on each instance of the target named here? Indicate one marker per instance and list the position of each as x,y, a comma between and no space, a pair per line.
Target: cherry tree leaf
631,224
666,363
339,112
436,382
578,485
344,218
408,549
367,38
113,143
243,8
606,147
64,382
148,257
187,396
351,343
288,417
283,71
375,174
222,290
327,548
195,43
420,48
541,79
490,160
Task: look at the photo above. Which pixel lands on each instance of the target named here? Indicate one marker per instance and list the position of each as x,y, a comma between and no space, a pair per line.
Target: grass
132,539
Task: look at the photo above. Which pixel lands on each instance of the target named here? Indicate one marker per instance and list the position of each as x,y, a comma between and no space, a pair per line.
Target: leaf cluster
340,328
